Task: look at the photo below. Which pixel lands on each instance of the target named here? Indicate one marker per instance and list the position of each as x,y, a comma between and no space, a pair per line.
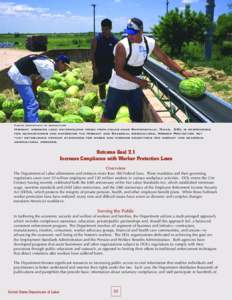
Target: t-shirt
104,51
138,56
45,68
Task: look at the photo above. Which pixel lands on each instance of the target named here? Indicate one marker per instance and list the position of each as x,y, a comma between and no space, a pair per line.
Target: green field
55,41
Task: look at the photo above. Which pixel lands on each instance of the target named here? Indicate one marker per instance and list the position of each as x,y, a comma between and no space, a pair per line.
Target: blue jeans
30,103
117,98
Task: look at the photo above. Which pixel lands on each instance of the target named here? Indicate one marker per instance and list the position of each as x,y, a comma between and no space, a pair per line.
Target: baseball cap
134,25
64,58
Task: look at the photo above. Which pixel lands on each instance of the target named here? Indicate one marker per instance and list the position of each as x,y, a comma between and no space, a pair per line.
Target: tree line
179,28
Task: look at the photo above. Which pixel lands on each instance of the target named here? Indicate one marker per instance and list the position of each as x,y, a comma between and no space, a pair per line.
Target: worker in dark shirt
102,56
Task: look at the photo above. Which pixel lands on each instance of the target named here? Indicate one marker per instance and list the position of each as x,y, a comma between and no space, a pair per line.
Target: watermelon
87,114
57,117
2,117
17,115
45,116
44,99
52,106
41,89
55,92
72,91
44,83
72,106
123,112
70,79
59,98
192,87
8,106
71,119
63,85
57,76
52,84
90,99
76,72
80,84
2,99
123,120
98,110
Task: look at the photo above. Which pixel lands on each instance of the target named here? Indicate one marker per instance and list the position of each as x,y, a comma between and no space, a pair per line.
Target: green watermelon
57,76
2,99
72,106
71,119
90,99
72,91
9,105
192,87
63,85
70,79
52,84
55,92
44,99
76,72
80,84
59,98
17,115
57,117
123,120
44,83
123,112
98,110
2,117
45,116
52,106
87,114
41,89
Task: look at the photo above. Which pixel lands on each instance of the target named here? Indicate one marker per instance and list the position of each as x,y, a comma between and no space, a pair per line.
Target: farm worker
102,56
125,85
29,72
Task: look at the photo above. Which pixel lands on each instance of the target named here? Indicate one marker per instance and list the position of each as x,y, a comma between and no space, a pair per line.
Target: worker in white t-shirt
125,85
29,72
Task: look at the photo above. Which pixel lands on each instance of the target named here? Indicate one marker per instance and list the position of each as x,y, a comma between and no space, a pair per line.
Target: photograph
170,66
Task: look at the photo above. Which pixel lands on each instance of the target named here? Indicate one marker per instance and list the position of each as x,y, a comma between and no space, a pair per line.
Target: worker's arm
169,62
92,55
36,81
120,61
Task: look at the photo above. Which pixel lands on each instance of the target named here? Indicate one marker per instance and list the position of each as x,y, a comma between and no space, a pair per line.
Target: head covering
134,25
64,58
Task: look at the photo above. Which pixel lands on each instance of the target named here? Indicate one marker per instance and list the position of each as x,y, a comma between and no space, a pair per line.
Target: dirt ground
9,56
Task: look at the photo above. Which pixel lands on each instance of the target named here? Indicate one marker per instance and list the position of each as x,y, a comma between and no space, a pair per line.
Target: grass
194,57
222,89
217,87
222,63
55,41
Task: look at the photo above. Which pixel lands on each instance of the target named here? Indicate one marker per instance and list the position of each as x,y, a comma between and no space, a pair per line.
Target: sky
43,16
